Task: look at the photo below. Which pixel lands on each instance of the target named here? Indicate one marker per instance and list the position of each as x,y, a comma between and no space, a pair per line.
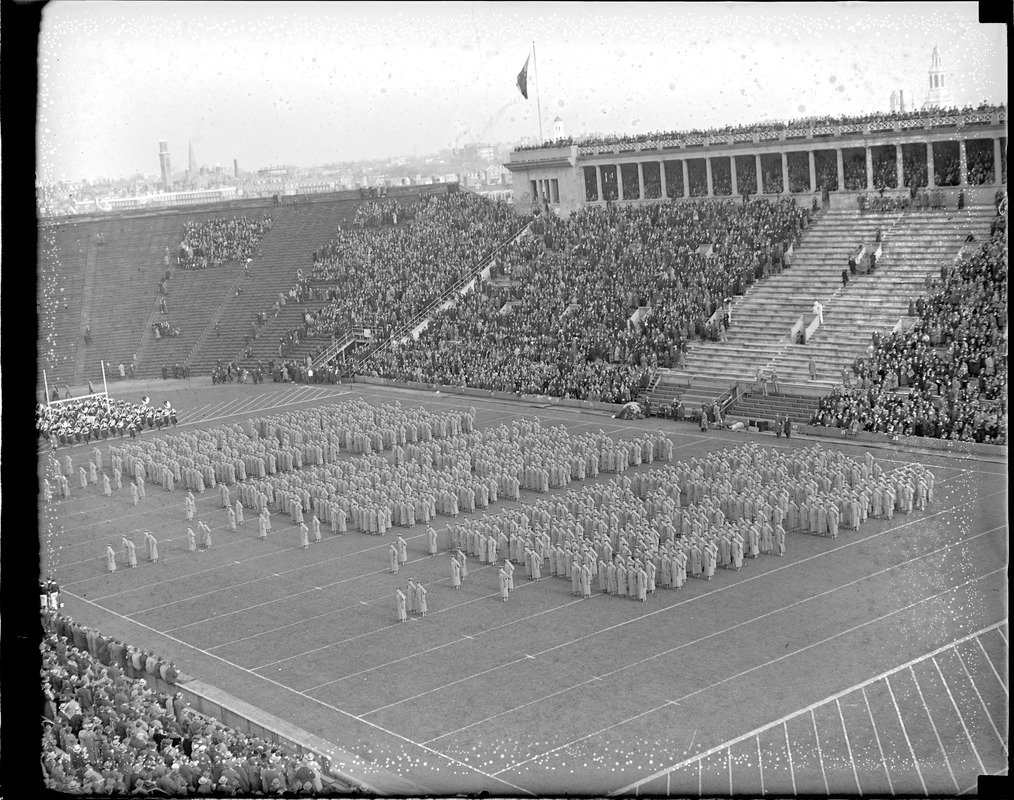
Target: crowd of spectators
107,731
374,214
947,376
384,278
90,418
162,329
220,240
760,127
562,324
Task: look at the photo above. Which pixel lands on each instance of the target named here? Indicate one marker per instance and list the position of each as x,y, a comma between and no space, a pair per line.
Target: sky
306,84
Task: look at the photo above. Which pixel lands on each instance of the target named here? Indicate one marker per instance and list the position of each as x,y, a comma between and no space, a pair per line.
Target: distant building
166,166
939,93
558,128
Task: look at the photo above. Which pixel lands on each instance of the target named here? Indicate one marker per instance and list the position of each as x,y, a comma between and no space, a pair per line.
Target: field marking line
700,779
455,641
307,697
933,724
788,752
904,730
276,600
698,641
820,754
396,661
824,701
760,765
989,661
779,569
848,746
275,532
1000,631
961,717
977,694
728,762
377,630
876,736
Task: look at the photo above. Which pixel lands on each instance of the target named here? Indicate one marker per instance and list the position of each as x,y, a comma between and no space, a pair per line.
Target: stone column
869,168
686,178
598,181
760,175
962,163
732,173
813,173
619,181
899,163
640,180
930,169
997,161
840,157
785,172
661,178
709,177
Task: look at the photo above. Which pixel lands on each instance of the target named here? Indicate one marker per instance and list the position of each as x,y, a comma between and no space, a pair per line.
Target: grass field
875,663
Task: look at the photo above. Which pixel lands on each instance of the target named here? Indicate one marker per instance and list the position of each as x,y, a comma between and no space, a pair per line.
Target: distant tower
558,128
192,160
939,93
166,165
894,102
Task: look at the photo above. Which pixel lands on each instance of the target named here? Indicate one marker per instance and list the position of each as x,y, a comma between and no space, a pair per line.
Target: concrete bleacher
915,245
121,291
297,231
62,255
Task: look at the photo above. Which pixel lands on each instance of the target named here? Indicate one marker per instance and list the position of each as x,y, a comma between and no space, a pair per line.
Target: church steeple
938,92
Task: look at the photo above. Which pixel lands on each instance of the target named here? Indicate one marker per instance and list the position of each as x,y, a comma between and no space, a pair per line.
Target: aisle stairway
914,245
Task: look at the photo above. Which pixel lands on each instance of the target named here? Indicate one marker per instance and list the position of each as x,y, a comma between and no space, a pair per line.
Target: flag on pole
523,79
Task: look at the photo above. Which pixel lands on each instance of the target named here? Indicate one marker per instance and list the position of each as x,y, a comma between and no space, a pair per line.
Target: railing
448,293
800,131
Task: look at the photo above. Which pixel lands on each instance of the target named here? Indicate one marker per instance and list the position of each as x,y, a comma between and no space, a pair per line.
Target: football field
875,663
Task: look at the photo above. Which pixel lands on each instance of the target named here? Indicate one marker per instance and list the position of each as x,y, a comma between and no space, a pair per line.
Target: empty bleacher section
62,253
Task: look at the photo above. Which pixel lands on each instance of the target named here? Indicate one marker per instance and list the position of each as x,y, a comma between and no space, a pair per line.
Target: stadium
681,472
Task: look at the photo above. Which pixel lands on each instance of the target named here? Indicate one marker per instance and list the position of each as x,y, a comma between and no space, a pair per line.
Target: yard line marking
698,641
876,735
848,746
334,708
700,778
444,686
904,730
396,661
760,765
820,754
809,708
1003,637
977,694
961,718
728,761
788,750
745,672
936,733
989,661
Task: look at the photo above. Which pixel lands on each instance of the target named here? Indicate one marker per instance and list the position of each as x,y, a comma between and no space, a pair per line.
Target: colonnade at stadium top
846,159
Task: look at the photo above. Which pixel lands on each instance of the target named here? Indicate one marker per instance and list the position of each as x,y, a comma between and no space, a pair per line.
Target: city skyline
311,84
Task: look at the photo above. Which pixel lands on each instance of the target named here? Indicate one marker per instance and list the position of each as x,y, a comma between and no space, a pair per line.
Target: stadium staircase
914,245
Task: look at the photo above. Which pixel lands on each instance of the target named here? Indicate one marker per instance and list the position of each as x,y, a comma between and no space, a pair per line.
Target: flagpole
538,100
